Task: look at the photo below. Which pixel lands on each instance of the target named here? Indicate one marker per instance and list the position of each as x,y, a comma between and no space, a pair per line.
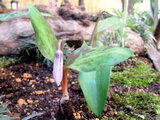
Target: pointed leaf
19,14
84,44
86,59
32,116
113,23
5,117
46,40
95,87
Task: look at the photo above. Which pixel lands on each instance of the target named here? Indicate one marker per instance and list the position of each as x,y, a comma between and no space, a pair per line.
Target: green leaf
19,14
87,59
98,43
112,23
84,44
95,87
5,117
46,40
31,116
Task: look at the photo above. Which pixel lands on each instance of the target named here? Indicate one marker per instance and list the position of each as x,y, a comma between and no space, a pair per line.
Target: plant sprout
92,63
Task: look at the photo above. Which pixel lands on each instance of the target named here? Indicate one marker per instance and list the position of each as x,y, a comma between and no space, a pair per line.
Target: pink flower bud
53,4
58,65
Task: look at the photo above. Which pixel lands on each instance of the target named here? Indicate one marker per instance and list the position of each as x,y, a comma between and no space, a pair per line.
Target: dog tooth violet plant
92,63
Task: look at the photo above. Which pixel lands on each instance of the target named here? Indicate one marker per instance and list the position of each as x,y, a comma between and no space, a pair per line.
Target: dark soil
29,89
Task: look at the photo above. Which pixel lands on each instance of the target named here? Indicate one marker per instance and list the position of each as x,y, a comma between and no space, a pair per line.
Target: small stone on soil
9,95
60,88
27,75
31,82
30,101
18,80
21,102
52,80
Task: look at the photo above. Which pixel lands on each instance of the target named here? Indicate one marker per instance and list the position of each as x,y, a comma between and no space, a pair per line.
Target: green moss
6,62
144,104
140,75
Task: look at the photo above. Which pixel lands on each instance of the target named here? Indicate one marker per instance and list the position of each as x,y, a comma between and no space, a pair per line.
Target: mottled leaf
95,87
46,40
86,59
19,14
112,23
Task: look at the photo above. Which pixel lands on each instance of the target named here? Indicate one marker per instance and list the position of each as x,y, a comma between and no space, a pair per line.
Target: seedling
92,63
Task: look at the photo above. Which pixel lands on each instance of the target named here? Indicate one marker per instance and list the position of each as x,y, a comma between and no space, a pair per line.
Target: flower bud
58,65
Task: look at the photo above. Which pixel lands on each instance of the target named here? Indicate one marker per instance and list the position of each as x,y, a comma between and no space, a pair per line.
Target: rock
132,41
21,102
154,55
135,42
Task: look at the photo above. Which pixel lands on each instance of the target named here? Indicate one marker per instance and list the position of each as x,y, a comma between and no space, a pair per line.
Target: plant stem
124,21
60,45
64,84
94,31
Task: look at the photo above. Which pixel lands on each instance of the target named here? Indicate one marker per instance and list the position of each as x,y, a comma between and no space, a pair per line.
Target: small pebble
31,82
52,80
60,88
37,64
9,95
78,116
36,101
30,101
27,75
21,102
18,80
39,92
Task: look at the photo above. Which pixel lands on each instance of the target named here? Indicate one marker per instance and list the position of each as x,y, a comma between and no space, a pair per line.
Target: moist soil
29,88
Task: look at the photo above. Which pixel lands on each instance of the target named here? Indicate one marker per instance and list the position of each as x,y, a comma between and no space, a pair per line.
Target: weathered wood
157,33
73,25
154,54
70,24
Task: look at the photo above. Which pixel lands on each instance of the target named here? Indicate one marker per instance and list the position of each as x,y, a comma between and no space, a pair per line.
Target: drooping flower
58,65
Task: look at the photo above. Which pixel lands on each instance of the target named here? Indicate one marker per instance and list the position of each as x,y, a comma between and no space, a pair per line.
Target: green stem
124,21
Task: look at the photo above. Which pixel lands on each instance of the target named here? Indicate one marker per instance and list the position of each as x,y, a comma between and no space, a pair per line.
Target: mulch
30,89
